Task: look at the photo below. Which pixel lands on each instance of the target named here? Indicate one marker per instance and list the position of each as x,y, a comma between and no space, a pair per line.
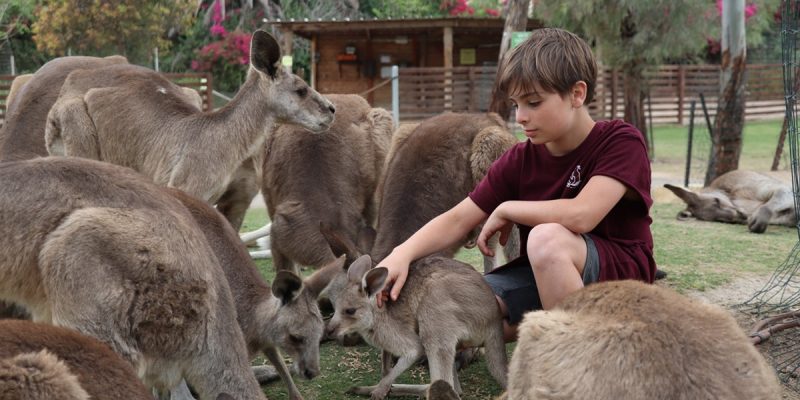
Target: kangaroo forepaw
265,374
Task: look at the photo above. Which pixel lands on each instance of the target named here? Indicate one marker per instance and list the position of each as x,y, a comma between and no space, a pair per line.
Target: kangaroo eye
302,92
296,339
350,311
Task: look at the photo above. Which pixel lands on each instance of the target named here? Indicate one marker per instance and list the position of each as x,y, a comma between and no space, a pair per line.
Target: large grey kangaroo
101,249
146,123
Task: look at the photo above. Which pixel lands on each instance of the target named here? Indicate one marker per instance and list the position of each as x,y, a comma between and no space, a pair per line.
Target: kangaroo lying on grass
631,340
100,249
44,362
330,178
147,125
22,136
285,316
435,315
740,197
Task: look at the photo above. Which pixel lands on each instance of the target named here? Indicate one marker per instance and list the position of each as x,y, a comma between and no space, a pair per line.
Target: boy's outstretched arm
580,214
438,234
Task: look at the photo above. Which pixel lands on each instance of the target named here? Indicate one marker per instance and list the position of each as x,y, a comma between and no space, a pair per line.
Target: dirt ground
736,292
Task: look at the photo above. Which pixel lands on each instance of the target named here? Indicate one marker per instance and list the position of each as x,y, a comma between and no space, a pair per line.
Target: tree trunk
633,82
728,126
516,21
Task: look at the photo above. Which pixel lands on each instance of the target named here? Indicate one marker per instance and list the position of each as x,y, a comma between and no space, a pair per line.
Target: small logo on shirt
574,178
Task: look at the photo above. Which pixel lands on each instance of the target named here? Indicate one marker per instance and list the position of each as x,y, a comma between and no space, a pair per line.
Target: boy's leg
516,290
557,256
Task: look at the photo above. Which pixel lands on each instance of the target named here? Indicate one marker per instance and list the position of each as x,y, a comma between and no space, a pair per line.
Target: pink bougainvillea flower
218,30
492,12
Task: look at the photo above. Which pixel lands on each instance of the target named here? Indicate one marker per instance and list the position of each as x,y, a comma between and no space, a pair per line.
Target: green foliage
402,8
102,27
16,18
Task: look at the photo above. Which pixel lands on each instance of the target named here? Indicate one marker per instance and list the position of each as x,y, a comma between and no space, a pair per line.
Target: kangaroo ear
358,268
688,197
265,53
374,279
287,286
320,279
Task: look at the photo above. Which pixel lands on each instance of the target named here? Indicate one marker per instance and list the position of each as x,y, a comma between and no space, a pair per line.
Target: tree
727,134
102,27
516,16
16,18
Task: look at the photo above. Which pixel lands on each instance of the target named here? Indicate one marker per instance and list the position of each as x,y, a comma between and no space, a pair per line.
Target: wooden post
313,73
681,91
447,39
613,94
287,38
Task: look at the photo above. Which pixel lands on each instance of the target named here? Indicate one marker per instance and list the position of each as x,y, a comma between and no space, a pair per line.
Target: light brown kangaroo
285,316
100,249
22,136
331,178
740,197
631,340
443,306
147,125
45,362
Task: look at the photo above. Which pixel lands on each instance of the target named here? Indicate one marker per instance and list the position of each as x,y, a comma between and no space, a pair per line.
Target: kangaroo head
355,307
290,99
298,323
712,205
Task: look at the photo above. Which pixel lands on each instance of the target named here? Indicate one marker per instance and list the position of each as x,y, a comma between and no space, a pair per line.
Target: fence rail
198,81
425,92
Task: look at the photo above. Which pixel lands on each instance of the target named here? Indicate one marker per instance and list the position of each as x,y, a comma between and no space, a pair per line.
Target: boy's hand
494,224
396,278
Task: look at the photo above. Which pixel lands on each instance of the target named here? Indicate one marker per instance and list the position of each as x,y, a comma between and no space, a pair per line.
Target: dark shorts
515,284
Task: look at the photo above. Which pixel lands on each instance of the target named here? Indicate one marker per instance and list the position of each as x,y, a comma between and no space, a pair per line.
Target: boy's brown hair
553,59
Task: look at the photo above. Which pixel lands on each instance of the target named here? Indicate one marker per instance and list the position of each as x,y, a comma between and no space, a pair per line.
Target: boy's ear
578,94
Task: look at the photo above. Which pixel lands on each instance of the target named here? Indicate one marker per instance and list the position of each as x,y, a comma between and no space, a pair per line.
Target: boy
579,190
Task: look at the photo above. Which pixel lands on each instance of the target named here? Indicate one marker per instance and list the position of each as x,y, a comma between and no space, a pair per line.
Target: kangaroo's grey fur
147,125
445,304
284,316
22,136
631,340
741,197
330,178
100,249
45,362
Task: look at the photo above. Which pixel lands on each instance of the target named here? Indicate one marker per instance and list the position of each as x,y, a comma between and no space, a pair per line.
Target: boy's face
544,116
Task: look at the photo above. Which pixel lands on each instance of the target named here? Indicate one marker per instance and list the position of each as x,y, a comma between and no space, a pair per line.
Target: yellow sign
467,57
286,61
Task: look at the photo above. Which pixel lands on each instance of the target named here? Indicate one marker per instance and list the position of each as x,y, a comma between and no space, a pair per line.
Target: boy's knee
546,239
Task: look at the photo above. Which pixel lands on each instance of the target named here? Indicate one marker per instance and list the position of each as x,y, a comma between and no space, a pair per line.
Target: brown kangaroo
330,179
431,167
22,136
435,315
147,125
740,197
285,316
100,249
44,362
631,340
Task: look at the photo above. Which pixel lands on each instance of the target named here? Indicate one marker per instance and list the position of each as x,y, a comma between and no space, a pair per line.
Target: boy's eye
534,103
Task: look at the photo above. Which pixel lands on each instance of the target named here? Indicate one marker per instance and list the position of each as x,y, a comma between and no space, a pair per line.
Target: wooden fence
425,92
198,81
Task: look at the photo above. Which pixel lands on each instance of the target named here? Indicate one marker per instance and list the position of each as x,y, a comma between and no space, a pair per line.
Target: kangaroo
430,168
285,316
147,125
435,315
631,340
328,178
740,197
60,363
22,136
100,249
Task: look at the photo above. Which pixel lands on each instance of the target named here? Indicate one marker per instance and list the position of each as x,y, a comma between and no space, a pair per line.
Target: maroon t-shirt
613,148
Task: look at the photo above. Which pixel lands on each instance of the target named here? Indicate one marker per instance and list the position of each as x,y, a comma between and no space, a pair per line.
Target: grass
697,255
